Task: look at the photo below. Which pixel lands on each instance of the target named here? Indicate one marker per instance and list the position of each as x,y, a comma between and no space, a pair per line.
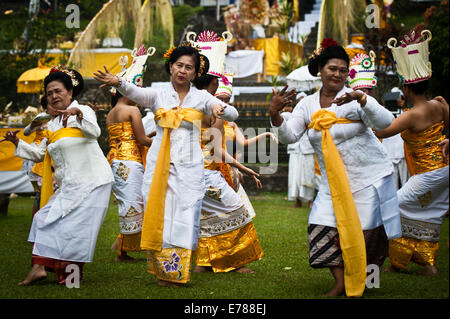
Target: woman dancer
227,240
173,186
355,210
64,231
423,200
126,136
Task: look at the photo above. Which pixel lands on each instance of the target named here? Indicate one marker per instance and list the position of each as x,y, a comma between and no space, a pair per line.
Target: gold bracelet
362,99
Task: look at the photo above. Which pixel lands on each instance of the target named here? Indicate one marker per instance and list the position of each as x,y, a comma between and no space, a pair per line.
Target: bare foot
163,283
310,204
36,273
337,290
115,245
244,270
298,203
202,268
124,258
429,271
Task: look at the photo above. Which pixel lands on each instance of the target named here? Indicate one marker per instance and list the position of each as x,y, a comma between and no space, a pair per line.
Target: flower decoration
173,264
225,80
328,42
61,68
168,54
352,73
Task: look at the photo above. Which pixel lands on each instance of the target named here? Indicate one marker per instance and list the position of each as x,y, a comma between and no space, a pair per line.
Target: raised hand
11,136
348,97
107,78
444,145
65,114
280,99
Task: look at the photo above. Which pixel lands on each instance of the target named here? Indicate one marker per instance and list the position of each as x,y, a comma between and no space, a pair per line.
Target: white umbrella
302,80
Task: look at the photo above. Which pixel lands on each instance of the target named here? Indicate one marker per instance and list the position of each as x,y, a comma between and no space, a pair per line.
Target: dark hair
66,80
115,98
203,81
419,87
44,102
332,52
190,51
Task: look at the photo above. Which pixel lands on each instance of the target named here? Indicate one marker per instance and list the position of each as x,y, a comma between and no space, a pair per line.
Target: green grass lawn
283,273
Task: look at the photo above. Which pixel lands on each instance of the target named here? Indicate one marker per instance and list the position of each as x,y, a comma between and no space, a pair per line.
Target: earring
319,74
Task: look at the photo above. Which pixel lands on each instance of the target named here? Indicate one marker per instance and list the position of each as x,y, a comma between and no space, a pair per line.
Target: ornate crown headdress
135,72
412,56
362,71
64,69
213,47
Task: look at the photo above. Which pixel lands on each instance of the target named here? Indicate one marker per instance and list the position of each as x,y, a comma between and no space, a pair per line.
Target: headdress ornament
213,47
412,56
362,71
135,72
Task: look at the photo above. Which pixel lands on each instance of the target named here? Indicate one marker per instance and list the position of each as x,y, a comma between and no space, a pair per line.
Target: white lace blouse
79,163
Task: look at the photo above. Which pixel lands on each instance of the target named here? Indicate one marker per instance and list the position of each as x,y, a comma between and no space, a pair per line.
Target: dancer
126,135
362,77
355,211
174,168
227,239
423,200
65,229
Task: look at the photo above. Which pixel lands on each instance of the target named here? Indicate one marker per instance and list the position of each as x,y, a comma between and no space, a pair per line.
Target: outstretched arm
142,96
138,128
398,125
221,155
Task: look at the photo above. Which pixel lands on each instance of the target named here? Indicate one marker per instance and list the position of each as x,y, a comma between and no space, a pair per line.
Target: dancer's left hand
65,114
444,145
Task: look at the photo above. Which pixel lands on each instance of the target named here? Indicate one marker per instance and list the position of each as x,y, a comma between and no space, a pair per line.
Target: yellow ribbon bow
351,236
153,223
47,180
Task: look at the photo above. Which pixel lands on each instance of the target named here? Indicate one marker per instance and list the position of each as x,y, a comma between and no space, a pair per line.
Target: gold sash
47,180
153,224
351,236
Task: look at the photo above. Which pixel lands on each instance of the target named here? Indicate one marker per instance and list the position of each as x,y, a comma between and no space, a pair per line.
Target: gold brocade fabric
130,242
170,264
208,156
406,249
230,135
122,142
229,251
423,148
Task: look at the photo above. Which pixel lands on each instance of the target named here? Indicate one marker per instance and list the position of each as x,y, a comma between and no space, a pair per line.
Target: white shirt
394,147
79,163
293,148
365,160
186,183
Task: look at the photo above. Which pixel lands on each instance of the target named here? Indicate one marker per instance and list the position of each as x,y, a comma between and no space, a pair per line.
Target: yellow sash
351,236
153,224
47,180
